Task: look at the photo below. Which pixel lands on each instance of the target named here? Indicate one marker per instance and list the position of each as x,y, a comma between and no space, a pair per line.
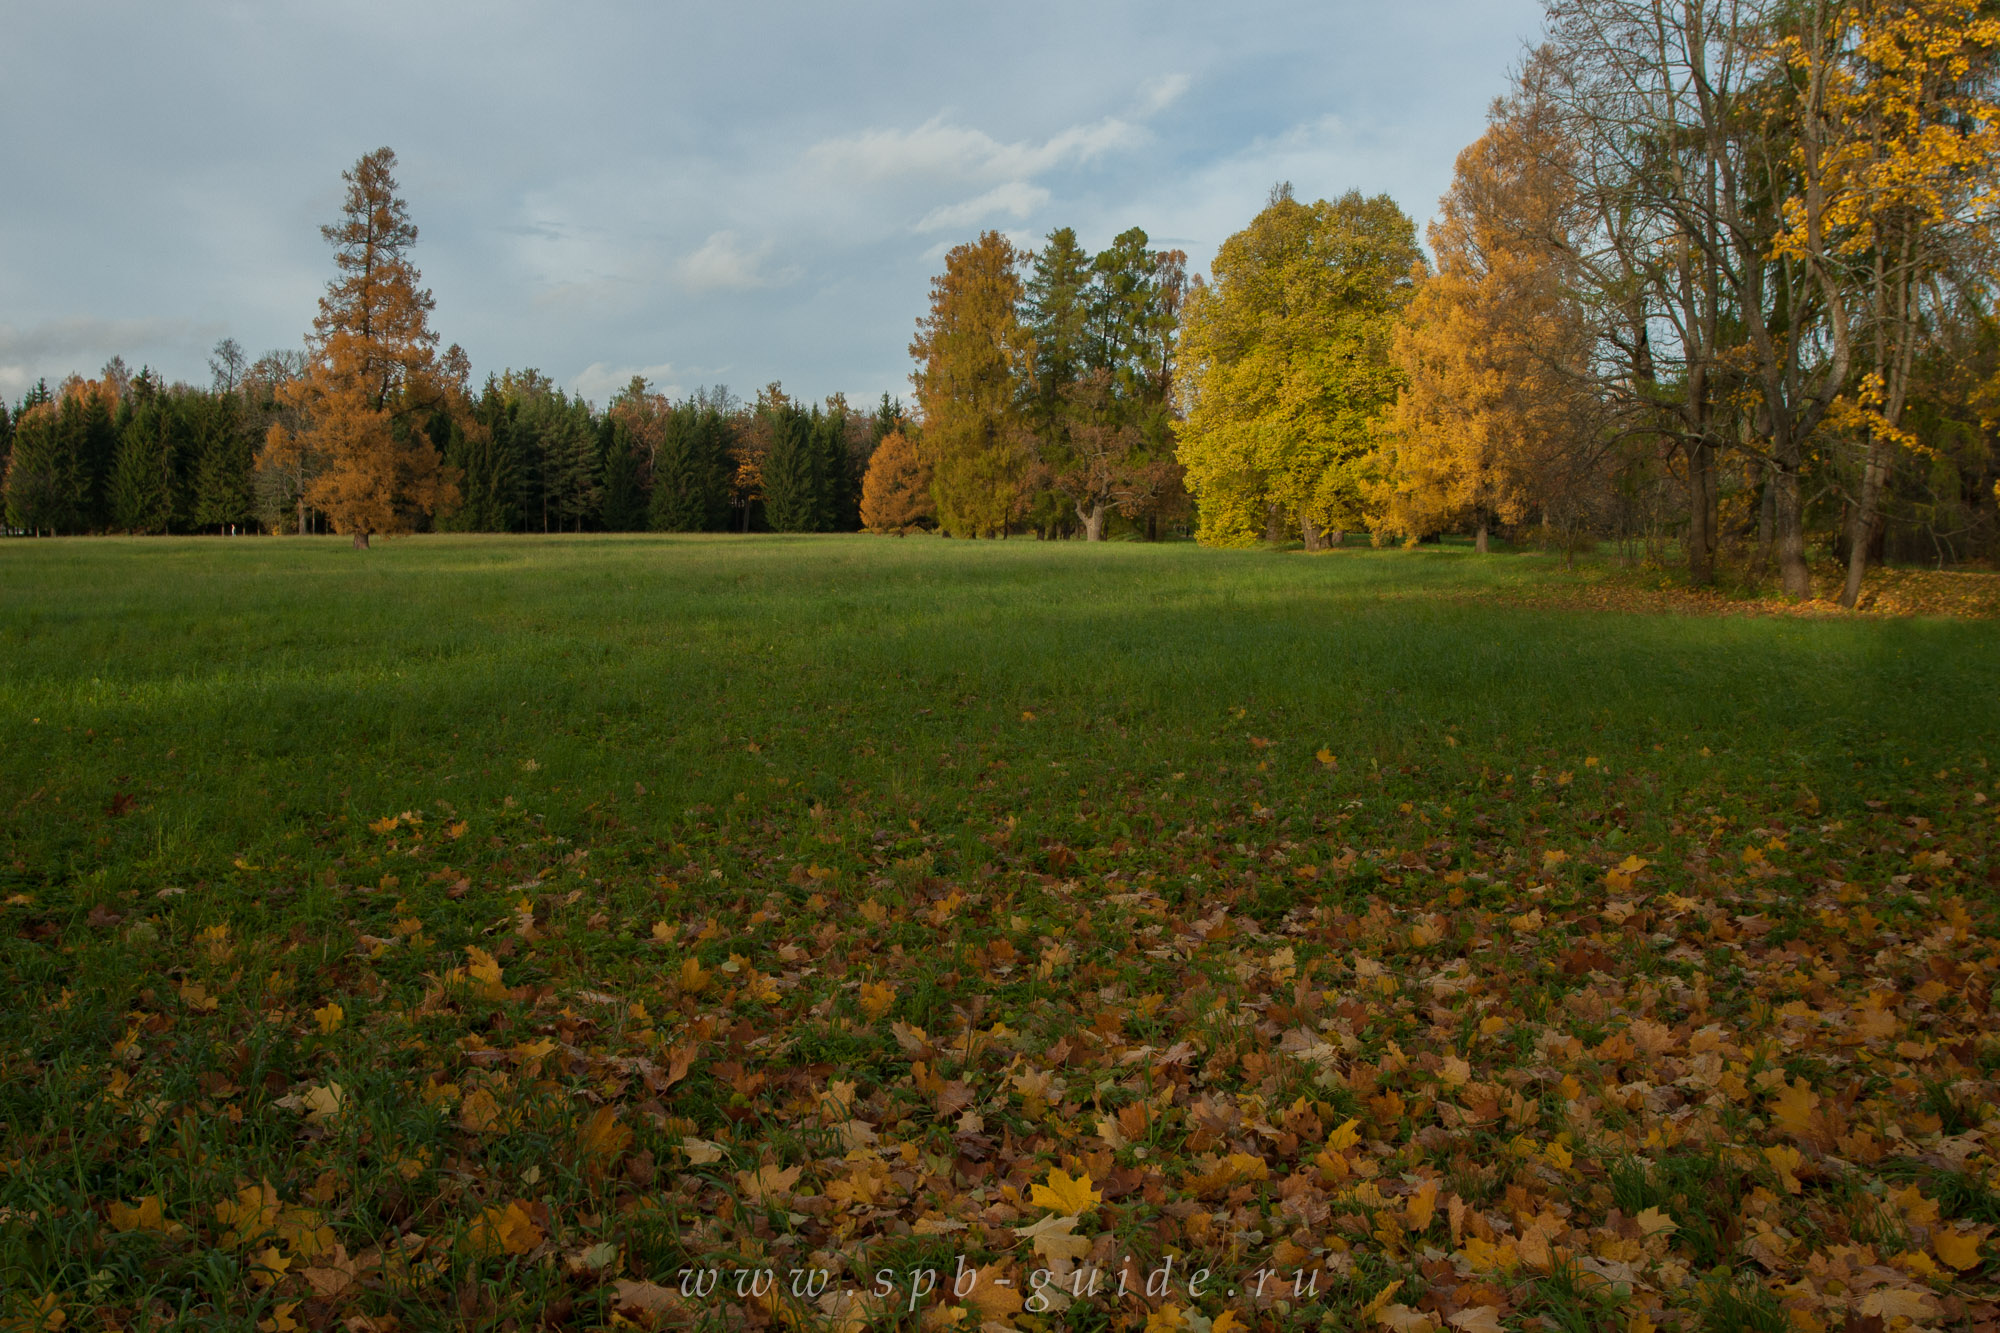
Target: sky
713,194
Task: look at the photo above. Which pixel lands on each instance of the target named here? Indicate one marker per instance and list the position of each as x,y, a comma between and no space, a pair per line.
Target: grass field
502,933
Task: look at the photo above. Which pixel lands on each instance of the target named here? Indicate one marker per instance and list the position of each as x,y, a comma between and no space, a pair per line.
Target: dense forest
1716,285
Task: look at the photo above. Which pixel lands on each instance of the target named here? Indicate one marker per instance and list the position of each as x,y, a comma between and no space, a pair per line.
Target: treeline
126,453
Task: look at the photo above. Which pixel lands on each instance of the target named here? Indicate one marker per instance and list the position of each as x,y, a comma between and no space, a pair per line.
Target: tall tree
692,467
149,484
224,455
970,349
373,378
1286,365
1495,417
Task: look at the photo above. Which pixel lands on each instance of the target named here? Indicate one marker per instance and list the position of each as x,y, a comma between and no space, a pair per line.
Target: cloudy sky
723,193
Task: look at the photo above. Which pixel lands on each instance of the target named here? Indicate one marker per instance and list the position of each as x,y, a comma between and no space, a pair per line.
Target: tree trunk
1092,520
1274,524
1311,532
1766,521
360,540
1479,539
1862,521
302,516
1789,513
1701,511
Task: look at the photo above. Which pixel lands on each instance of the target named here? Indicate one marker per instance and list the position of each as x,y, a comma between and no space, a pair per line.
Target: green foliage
691,469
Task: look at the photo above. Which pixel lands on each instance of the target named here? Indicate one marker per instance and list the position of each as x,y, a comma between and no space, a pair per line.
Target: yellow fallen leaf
603,1138
1381,1299
1062,1194
1960,1249
1053,1239
877,998
1793,1107
148,1214
701,1152
504,1230
1477,1319
1653,1222
329,1017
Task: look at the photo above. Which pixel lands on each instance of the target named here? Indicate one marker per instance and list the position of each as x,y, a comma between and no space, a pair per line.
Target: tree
1286,366
149,479
1494,418
692,467
896,493
41,473
970,349
223,459
372,378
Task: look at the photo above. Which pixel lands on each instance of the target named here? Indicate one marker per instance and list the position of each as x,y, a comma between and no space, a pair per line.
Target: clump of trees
1720,272
1045,382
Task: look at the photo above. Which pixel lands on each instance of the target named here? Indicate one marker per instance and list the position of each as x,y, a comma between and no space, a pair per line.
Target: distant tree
633,427
896,493
41,473
970,349
224,457
373,378
148,492
227,366
692,468
794,490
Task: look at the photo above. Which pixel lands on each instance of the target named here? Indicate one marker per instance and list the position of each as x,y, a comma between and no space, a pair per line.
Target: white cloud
83,343
724,263
937,148
1015,197
1163,92
599,382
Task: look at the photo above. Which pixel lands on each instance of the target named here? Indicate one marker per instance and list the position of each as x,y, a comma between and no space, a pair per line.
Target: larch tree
373,377
1494,416
970,350
896,492
1285,360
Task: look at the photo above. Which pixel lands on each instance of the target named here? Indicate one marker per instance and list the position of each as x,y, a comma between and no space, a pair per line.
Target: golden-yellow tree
373,377
1493,419
970,352
896,492
1898,155
1285,366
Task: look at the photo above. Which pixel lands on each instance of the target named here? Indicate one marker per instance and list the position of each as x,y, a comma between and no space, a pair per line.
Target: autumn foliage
373,378
896,492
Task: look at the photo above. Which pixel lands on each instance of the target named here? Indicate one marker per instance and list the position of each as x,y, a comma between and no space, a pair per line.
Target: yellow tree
373,376
970,352
896,492
1285,365
1899,159
1493,418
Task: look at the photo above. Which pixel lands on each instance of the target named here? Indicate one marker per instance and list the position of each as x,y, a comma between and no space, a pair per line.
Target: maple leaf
1653,1222
1053,1241
1477,1319
1062,1194
508,1229
1381,1298
1793,1108
877,998
268,1268
251,1215
1960,1249
768,1184
148,1214
700,1152
995,1300
328,1017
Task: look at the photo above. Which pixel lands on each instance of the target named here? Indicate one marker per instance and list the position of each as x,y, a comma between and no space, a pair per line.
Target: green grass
197,734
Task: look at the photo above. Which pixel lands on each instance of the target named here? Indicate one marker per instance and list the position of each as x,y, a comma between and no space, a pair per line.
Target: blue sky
723,193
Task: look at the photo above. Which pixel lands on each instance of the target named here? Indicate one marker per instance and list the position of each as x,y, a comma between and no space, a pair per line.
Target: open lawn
503,933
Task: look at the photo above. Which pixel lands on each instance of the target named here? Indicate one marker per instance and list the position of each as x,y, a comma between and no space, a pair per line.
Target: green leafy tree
148,492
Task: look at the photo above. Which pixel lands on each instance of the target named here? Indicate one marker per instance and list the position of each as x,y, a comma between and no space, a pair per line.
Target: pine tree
691,470
41,473
624,505
373,377
148,484
223,461
792,499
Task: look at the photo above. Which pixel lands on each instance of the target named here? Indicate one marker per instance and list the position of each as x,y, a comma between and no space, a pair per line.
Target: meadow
505,933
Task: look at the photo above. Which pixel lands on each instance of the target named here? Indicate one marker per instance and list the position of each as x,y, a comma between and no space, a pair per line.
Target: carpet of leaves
1493,1066
1894,593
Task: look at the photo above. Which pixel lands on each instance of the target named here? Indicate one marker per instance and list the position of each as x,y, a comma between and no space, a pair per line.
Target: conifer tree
223,459
970,349
373,378
691,470
896,493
